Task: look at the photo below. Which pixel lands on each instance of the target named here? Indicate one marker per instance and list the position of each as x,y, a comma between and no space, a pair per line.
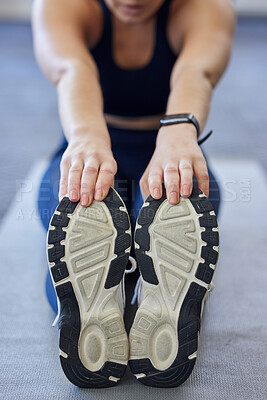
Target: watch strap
173,119
189,118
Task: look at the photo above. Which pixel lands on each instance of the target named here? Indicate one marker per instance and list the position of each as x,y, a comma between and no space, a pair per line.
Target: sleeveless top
138,91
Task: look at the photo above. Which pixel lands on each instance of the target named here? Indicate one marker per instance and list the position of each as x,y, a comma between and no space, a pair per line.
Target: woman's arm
60,29
209,28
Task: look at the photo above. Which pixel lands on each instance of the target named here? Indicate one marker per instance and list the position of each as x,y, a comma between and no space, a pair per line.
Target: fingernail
186,190
85,199
73,195
105,192
156,192
173,197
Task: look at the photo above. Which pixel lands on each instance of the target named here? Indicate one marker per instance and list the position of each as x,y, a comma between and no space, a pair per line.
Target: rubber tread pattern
56,253
60,220
69,325
204,273
188,327
69,321
56,236
208,221
122,241
189,318
141,237
59,271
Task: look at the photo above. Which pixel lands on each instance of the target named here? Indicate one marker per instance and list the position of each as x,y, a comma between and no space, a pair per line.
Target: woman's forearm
177,155
81,103
208,29
191,92
87,166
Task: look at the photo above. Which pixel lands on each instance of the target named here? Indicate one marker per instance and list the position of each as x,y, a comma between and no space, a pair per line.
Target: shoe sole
88,250
176,248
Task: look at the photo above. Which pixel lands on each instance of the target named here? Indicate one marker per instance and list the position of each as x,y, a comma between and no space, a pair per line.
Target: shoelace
206,297
134,266
58,313
127,271
137,290
210,289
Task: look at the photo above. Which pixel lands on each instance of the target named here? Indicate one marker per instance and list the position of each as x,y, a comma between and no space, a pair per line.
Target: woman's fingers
86,172
172,180
176,165
105,179
91,178
88,181
74,180
155,181
63,183
186,176
202,175
144,186
177,180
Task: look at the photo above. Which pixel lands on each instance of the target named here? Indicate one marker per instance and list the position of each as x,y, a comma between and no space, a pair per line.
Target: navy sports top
139,91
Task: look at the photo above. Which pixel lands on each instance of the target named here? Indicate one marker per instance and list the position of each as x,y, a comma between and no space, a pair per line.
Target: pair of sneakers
176,248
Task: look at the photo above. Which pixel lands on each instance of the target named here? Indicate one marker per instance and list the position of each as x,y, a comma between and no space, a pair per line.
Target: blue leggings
132,150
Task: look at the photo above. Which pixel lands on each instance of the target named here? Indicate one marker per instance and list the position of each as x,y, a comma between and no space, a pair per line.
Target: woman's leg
214,190
48,191
47,203
132,150
215,193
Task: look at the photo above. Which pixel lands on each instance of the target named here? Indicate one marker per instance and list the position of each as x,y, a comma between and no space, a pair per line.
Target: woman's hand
176,159
87,170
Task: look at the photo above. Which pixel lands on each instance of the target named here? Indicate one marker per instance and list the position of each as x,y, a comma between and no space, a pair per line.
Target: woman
119,66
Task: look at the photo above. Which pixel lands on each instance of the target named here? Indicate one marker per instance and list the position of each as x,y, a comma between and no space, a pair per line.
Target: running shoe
176,248
88,251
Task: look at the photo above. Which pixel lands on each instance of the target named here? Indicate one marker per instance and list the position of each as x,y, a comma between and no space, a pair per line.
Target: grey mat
232,362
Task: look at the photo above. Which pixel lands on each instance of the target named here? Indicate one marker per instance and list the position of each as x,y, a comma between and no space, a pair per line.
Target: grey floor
233,345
